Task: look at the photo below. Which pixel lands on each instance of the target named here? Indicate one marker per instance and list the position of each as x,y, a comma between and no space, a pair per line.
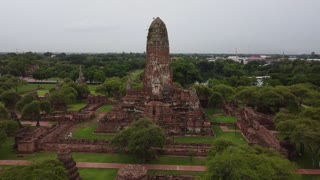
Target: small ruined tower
157,74
81,79
64,156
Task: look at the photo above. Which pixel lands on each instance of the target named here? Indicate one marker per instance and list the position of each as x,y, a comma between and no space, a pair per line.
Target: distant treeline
187,68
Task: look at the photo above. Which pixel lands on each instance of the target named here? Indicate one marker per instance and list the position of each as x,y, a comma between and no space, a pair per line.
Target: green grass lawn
211,111
87,132
192,173
77,106
235,137
221,118
310,177
97,174
304,161
105,108
7,152
192,139
179,160
42,92
34,86
125,158
232,127
92,89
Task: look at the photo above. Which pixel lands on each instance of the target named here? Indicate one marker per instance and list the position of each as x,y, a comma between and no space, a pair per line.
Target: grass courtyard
6,153
104,108
76,106
98,174
235,137
34,86
87,132
217,115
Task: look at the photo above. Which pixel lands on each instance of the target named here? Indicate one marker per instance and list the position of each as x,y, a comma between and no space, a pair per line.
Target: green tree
270,101
64,95
226,91
303,130
203,92
111,86
32,111
227,160
215,100
4,114
140,139
48,169
10,99
24,101
185,72
8,82
9,126
248,96
3,137
300,91
45,106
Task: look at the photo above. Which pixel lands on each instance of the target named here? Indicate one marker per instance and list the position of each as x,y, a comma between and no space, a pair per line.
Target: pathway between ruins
33,123
226,129
148,166
88,123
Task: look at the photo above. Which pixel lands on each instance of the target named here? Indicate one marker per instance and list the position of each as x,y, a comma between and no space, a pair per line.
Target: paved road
148,166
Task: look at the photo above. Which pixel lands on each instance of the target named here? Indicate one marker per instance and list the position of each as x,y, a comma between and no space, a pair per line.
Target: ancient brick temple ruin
177,110
65,157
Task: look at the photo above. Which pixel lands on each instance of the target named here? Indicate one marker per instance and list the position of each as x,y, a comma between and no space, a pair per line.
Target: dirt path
33,123
148,166
226,129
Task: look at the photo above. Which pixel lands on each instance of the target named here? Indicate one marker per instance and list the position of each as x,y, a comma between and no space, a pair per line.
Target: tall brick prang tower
157,74
176,110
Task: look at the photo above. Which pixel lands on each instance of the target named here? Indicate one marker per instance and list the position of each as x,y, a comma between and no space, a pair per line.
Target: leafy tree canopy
48,169
227,160
140,138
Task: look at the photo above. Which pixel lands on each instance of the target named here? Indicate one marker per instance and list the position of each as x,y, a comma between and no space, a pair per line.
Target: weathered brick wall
248,122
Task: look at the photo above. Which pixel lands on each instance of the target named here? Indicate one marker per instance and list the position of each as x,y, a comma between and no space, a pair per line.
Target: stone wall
29,143
97,99
230,108
248,122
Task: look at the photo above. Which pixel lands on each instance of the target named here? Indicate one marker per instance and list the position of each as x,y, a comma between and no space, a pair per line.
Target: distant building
260,80
313,59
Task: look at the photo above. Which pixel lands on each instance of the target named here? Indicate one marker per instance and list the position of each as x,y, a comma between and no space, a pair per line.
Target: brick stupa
176,110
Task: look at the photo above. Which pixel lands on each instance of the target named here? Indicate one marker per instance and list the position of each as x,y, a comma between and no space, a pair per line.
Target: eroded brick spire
157,73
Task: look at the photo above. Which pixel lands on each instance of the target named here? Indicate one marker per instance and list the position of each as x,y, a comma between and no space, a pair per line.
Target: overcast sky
194,26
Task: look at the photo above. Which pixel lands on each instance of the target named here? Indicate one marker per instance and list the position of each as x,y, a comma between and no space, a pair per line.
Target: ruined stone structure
230,108
29,140
132,172
177,110
64,156
81,79
248,122
92,99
